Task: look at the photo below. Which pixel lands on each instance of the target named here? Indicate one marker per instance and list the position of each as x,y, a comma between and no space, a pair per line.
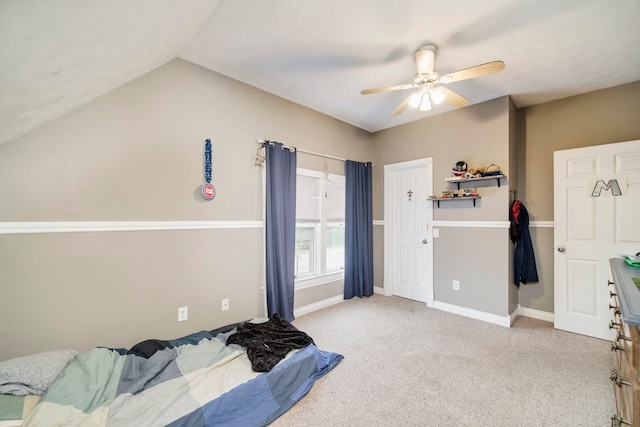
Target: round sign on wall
208,191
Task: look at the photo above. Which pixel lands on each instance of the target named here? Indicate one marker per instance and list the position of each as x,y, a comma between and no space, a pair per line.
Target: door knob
424,241
560,249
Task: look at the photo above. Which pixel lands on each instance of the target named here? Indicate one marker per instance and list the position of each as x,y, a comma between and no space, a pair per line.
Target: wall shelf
451,199
472,180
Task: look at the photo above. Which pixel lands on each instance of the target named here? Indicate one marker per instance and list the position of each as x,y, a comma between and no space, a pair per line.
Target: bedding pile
24,379
197,380
269,342
32,375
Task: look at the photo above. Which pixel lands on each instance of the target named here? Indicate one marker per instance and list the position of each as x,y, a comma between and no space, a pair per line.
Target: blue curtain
358,229
280,228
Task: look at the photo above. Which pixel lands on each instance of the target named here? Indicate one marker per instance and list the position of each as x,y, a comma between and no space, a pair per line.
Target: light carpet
409,365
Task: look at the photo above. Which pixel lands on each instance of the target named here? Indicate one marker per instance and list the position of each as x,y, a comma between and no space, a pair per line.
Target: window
320,212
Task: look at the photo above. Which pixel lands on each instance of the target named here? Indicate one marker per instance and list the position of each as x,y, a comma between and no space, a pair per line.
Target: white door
408,242
596,211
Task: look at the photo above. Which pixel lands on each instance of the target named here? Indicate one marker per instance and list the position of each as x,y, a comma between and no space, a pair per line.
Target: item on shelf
476,171
459,169
447,198
489,176
492,170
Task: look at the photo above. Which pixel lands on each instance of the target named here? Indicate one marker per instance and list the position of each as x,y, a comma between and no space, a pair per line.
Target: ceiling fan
427,79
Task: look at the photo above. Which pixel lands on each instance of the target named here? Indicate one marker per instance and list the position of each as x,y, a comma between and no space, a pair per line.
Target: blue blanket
199,381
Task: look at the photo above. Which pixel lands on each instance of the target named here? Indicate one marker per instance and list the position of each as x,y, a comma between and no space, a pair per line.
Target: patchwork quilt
195,381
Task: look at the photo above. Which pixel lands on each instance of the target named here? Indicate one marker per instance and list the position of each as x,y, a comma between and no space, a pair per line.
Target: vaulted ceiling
57,55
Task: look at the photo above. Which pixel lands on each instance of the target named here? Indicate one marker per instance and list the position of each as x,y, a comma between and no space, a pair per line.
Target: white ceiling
58,55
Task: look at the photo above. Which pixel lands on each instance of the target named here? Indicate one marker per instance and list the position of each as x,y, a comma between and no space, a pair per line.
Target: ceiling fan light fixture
437,96
414,101
425,105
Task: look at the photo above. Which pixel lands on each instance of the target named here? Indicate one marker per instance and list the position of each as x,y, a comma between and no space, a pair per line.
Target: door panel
403,266
583,295
582,167
582,210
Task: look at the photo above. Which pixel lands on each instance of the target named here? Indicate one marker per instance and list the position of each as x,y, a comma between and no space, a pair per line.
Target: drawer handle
613,324
617,379
616,347
615,309
617,421
612,294
622,337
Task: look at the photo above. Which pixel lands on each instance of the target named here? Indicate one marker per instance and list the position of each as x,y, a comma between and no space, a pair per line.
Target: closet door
408,242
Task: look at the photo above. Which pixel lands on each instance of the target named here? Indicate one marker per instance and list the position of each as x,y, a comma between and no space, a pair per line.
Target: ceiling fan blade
453,98
388,88
424,59
477,71
402,106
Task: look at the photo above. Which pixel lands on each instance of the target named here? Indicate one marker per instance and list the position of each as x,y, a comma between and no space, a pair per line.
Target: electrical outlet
183,313
436,232
225,304
456,285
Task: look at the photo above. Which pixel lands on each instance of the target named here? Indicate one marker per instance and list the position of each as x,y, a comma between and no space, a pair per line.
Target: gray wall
136,154
477,257
76,290
478,134
513,175
601,117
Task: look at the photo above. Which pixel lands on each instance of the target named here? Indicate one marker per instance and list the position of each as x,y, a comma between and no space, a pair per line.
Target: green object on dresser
632,261
636,280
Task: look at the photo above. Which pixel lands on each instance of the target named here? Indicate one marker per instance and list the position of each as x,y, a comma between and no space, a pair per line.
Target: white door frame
389,171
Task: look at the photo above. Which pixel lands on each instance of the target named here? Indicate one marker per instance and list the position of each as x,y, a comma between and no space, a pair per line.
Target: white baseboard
506,321
514,315
536,314
309,308
474,314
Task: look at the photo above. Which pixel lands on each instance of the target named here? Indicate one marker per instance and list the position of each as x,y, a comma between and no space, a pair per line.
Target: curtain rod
262,141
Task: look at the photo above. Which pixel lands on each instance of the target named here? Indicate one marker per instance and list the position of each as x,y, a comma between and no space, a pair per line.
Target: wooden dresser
626,321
